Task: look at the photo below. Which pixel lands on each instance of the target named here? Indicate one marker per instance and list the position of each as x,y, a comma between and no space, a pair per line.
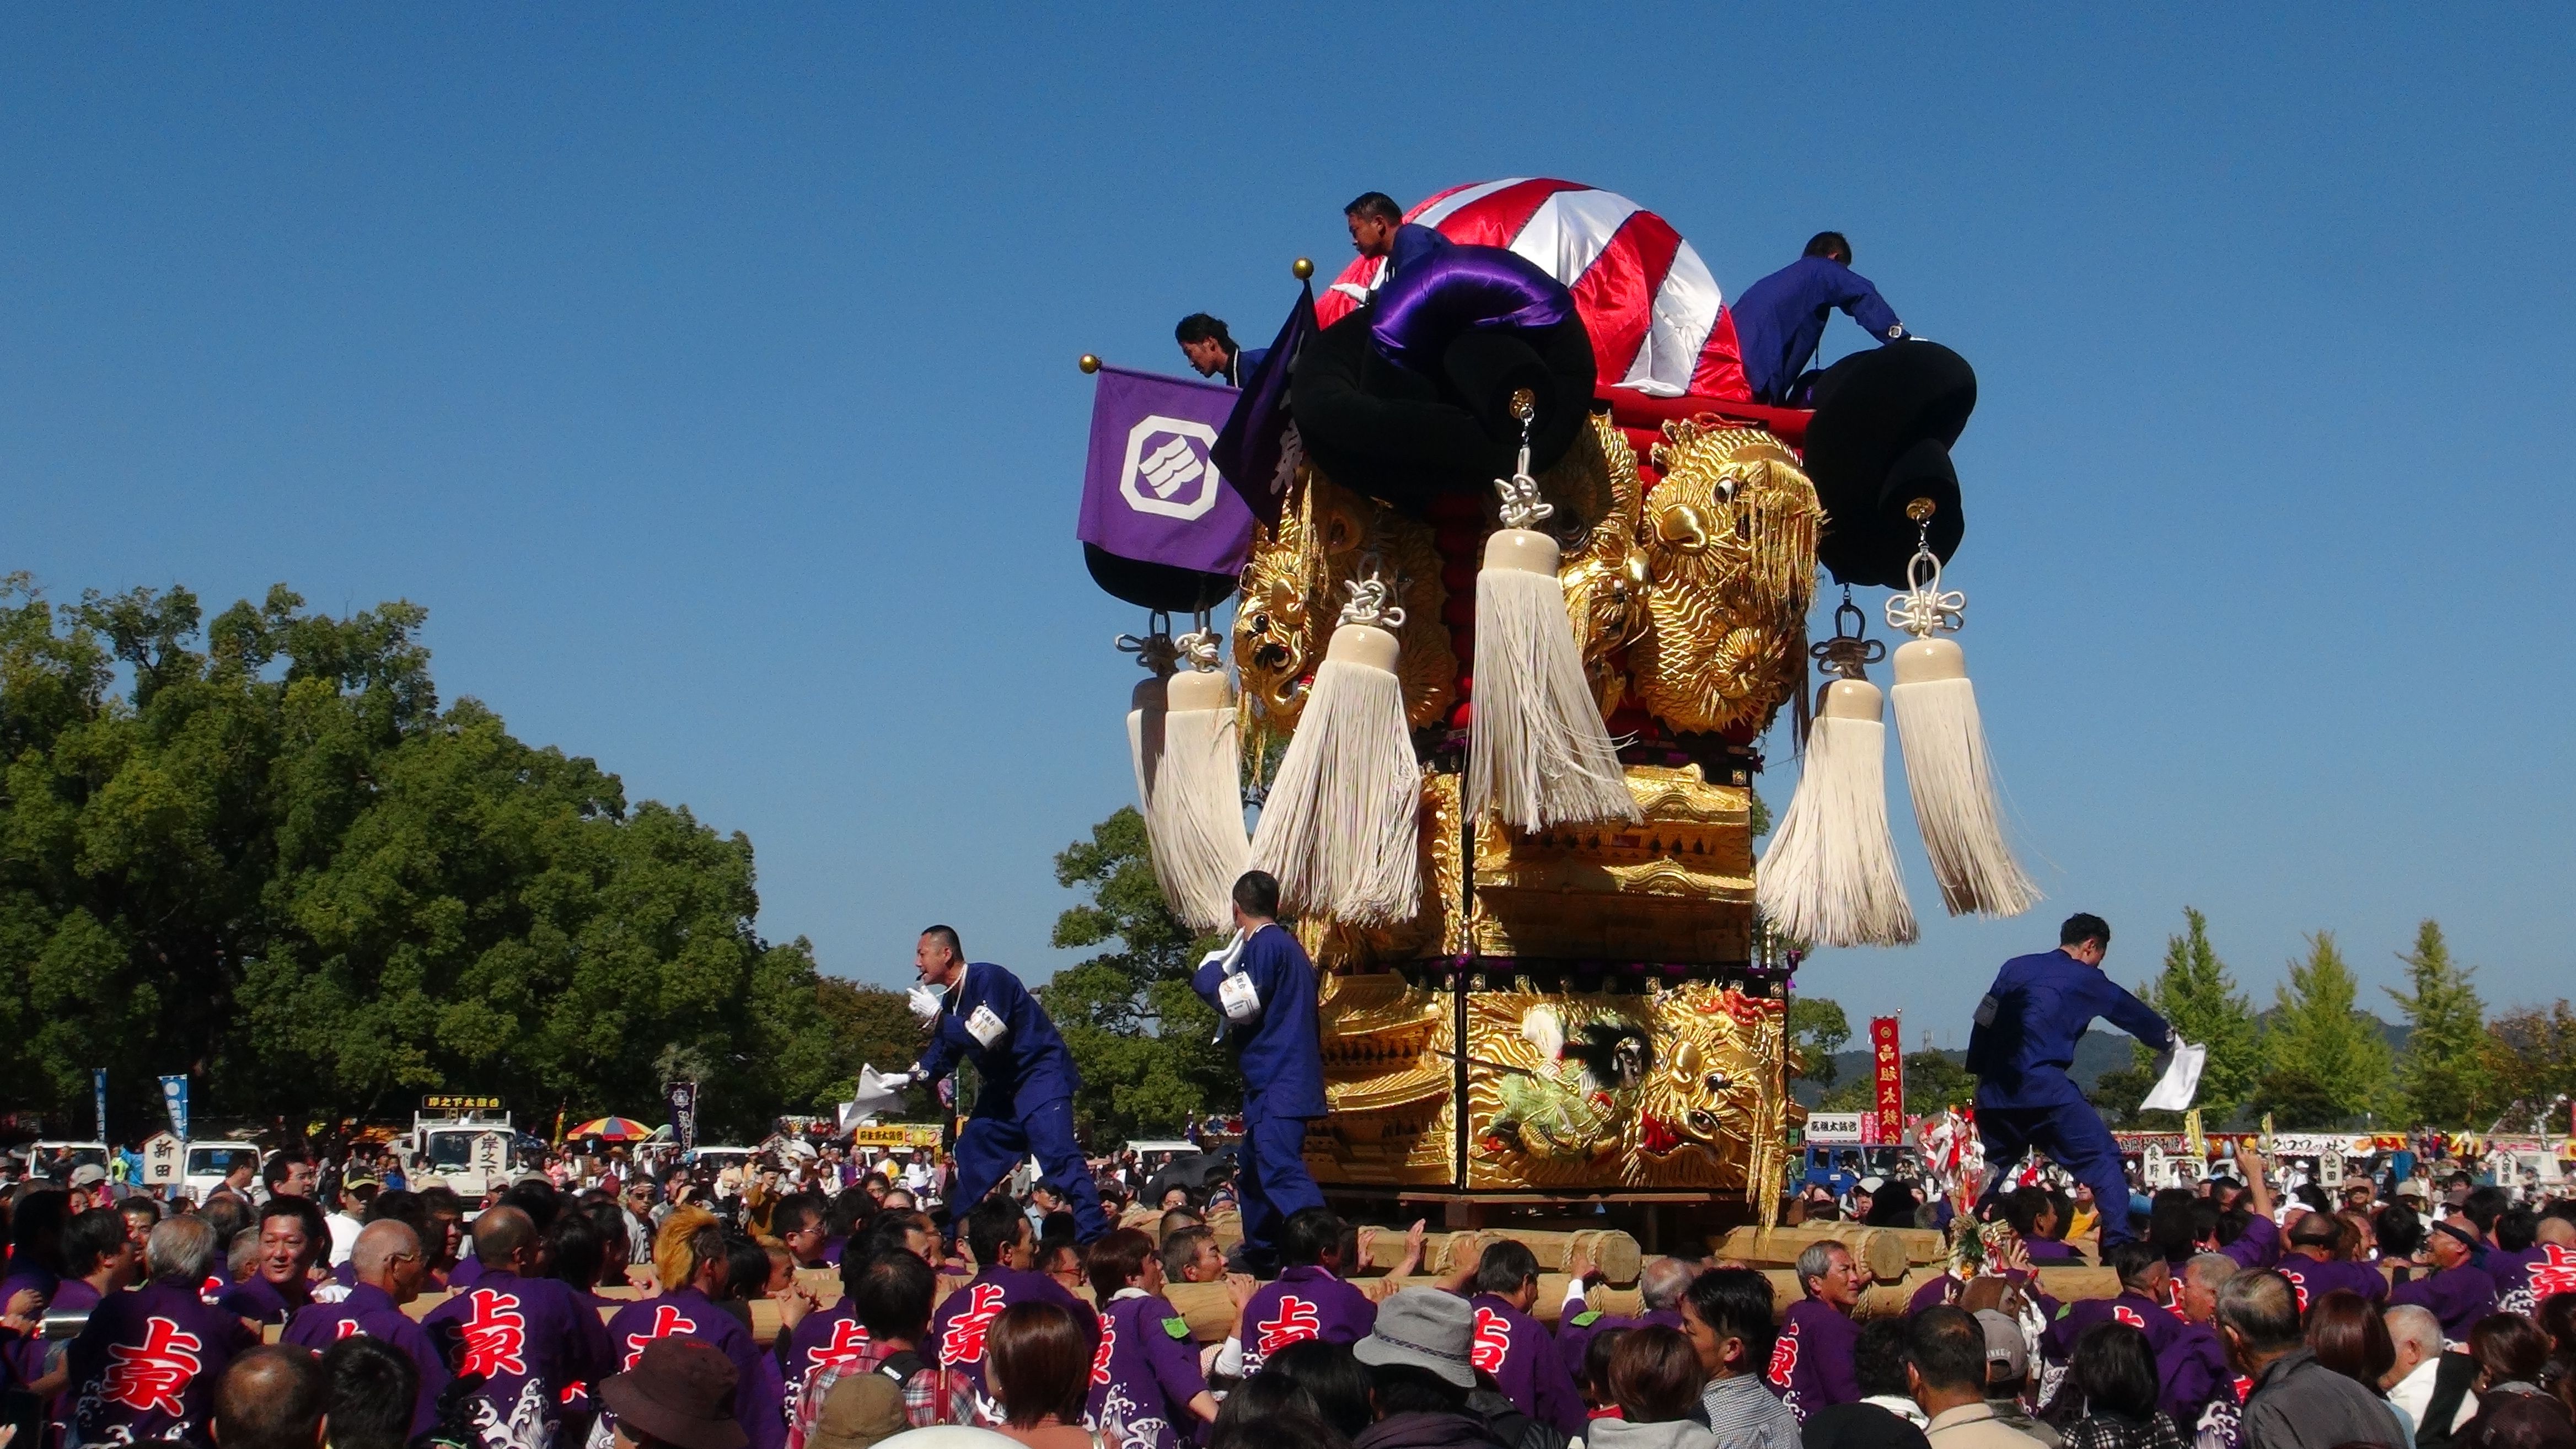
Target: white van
203,1167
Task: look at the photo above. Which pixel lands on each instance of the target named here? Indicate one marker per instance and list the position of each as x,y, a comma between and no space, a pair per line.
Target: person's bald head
2558,1232
1665,1282
272,1397
501,1235
387,1255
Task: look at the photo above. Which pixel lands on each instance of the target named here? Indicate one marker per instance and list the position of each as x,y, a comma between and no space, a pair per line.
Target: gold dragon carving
1729,538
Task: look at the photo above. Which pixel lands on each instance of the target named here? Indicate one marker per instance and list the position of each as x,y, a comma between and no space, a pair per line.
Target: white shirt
344,1236
2414,1394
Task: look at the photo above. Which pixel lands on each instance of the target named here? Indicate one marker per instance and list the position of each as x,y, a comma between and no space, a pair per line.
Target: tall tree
2325,1062
1144,1041
2531,1056
2443,1073
274,862
2197,995
1817,1030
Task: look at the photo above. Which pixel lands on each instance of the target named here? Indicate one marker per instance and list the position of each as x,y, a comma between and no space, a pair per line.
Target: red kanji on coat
849,1341
2554,1273
667,1322
496,1335
1100,1355
152,1375
1297,1321
964,1340
1784,1357
1493,1342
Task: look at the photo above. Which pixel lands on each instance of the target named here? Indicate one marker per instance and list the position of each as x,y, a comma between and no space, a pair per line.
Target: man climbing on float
2020,1048
1264,987
1780,319
1212,352
981,1011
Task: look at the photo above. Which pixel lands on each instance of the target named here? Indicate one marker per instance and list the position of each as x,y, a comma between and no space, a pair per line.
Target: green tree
2197,995
1144,1041
2325,1062
1817,1030
276,863
2443,1074
2531,1056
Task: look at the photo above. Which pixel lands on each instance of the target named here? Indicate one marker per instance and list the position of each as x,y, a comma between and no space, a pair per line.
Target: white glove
925,1001
895,1081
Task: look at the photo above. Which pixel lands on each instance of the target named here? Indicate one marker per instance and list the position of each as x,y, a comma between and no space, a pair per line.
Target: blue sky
709,377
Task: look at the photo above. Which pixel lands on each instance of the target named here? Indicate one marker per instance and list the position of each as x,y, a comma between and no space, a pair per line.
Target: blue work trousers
1270,1176
992,1145
2074,1138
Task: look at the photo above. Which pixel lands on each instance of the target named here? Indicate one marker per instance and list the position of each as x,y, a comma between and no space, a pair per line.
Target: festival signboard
1835,1128
163,1159
1887,1065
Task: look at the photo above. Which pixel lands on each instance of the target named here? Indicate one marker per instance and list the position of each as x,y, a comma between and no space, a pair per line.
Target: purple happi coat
371,1311
2458,1296
827,1338
2313,1279
1303,1302
1144,1373
1513,1349
146,1366
532,1340
1575,1331
688,1313
959,1327
1811,1360
2523,1279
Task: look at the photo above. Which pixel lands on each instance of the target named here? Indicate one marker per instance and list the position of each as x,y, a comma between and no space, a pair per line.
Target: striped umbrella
613,1129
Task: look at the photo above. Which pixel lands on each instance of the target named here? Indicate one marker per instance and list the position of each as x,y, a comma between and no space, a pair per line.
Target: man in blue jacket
2022,1044
1780,319
982,1012
1264,987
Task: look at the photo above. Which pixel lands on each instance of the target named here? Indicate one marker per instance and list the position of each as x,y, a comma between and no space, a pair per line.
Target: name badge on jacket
984,1026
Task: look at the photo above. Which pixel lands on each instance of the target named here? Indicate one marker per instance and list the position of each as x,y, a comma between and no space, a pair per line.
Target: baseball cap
2004,1345
88,1174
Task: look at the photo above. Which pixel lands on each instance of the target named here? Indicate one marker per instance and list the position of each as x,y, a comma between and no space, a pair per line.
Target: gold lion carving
1729,543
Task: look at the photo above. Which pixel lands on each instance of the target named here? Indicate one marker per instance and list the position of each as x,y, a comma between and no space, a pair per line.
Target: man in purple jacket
2199,1385
1812,1359
2314,1271
529,1339
388,1264
1512,1349
1147,1391
292,1238
2145,1278
1308,1299
147,1364
998,1234
1660,1287
2458,1294
691,1310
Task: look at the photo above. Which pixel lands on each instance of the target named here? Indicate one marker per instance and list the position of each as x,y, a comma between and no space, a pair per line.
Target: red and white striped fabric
1658,322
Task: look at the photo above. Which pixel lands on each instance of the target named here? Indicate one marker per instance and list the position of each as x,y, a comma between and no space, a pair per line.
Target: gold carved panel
1675,1089
1390,1050
1676,887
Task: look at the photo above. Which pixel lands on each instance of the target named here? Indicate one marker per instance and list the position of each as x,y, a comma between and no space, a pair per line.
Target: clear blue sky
710,379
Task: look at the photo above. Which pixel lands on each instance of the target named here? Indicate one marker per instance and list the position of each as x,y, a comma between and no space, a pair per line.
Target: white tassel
1537,751
1953,781
1830,876
1195,814
1145,737
1338,827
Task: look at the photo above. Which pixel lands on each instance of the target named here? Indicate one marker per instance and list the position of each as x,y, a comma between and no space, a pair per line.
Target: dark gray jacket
2299,1403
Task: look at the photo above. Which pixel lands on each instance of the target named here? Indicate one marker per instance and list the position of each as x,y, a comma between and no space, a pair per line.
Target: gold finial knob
1524,404
1921,509
1088,363
1304,268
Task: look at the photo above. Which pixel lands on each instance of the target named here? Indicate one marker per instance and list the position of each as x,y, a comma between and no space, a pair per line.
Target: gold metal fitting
1524,404
1921,509
1303,267
1088,362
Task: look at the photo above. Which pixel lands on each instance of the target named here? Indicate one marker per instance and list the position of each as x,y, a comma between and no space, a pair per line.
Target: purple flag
1258,446
1152,493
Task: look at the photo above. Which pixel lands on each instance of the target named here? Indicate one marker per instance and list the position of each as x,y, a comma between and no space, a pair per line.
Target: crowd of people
2427,1315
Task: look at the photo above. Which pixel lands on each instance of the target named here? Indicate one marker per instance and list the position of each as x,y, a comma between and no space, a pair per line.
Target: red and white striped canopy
1658,322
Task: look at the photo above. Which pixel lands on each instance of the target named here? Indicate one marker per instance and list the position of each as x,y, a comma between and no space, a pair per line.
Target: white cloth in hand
2181,1081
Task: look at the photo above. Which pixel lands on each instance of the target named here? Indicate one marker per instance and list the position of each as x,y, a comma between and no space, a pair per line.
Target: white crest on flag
1168,471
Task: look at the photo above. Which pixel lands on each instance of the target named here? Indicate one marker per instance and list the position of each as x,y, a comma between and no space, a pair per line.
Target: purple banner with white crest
1151,492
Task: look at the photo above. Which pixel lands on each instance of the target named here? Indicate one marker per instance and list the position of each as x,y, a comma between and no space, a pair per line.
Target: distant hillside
2096,1052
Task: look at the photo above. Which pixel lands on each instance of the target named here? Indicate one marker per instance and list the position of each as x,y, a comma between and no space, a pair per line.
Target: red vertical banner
1887,1062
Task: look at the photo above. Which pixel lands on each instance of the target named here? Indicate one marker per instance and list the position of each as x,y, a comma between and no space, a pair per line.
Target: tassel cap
1523,549
1197,689
1927,661
1852,699
1365,644
1148,696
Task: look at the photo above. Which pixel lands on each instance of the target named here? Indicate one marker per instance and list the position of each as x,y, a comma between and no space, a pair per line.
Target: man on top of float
1264,987
1780,319
981,1011
1212,351
1378,229
2020,1048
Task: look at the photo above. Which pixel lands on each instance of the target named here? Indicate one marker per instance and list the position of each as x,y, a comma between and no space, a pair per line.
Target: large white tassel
1337,828
1953,780
1537,751
1195,817
1830,876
